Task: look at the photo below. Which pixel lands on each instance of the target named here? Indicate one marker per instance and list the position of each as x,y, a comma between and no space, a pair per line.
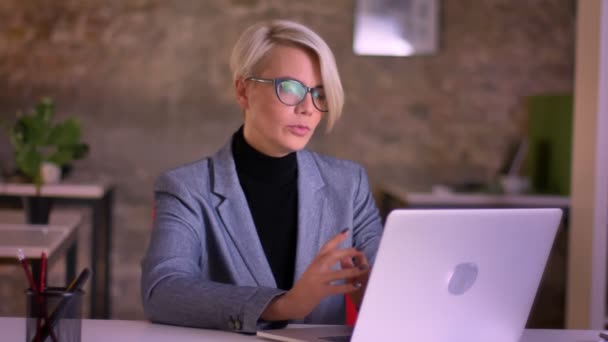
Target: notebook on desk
449,275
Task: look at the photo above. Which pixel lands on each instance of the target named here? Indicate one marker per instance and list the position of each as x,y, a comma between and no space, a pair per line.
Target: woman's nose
305,107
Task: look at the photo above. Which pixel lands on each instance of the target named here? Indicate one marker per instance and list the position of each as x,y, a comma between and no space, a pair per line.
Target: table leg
70,262
108,210
100,257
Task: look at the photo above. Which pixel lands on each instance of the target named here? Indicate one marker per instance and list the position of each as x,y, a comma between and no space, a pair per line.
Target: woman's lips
298,130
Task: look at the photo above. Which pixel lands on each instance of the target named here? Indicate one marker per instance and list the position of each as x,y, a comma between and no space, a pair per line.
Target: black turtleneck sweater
270,186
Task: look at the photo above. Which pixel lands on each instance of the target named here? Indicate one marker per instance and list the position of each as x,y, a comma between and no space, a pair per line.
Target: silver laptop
449,275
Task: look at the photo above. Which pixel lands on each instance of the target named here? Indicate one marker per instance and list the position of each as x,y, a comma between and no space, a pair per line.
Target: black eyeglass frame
278,80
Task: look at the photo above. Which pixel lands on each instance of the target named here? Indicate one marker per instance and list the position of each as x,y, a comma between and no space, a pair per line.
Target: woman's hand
359,282
319,281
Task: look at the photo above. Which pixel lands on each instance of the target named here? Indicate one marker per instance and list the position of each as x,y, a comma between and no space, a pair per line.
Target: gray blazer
205,266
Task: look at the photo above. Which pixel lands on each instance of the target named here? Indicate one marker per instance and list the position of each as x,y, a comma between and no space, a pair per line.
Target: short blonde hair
257,40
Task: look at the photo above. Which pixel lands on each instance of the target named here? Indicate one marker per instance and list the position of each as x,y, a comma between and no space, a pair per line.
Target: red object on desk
42,279
28,273
351,311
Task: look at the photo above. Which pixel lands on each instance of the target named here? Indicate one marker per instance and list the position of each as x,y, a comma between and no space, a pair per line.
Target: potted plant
42,148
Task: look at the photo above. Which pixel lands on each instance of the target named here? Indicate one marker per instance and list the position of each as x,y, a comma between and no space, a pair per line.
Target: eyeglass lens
291,93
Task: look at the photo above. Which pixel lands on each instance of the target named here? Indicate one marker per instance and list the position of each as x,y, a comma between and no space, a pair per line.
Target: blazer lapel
311,203
236,216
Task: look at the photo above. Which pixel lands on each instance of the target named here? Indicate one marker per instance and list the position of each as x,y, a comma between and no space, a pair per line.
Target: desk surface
448,199
53,239
13,329
34,239
61,190
63,217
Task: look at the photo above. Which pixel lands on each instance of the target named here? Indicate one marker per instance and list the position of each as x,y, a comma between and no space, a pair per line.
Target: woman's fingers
347,262
345,274
331,258
341,289
360,260
321,279
334,242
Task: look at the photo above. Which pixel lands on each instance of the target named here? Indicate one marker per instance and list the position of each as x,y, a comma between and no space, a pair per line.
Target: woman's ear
240,90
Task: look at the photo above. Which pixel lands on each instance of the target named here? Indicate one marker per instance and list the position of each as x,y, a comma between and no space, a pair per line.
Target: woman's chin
296,143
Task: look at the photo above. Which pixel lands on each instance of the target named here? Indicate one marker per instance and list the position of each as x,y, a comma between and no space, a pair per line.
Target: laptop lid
464,275
456,275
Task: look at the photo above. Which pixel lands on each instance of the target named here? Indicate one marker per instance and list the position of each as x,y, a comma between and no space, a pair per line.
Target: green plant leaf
34,131
45,110
29,160
66,133
62,156
17,134
65,154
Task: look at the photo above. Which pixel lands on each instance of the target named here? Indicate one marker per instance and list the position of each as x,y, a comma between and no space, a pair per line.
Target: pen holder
54,316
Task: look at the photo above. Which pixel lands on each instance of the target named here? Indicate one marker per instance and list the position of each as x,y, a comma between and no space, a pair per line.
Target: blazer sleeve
367,225
174,290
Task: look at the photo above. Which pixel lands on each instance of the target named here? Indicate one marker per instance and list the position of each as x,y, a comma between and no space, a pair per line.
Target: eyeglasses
292,92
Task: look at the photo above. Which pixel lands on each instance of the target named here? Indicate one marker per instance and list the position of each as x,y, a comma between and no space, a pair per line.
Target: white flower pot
50,172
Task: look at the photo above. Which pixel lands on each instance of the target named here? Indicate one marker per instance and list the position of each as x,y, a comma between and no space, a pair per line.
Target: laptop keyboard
336,338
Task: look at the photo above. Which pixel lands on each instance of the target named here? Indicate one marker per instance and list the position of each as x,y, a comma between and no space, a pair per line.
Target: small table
33,240
99,197
392,194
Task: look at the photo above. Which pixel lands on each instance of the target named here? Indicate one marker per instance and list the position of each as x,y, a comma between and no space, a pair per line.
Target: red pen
42,289
41,285
30,279
42,272
28,273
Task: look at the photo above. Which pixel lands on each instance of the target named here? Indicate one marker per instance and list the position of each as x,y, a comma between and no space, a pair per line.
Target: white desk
100,198
13,329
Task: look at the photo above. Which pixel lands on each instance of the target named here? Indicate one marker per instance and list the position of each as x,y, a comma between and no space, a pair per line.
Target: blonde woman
264,232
